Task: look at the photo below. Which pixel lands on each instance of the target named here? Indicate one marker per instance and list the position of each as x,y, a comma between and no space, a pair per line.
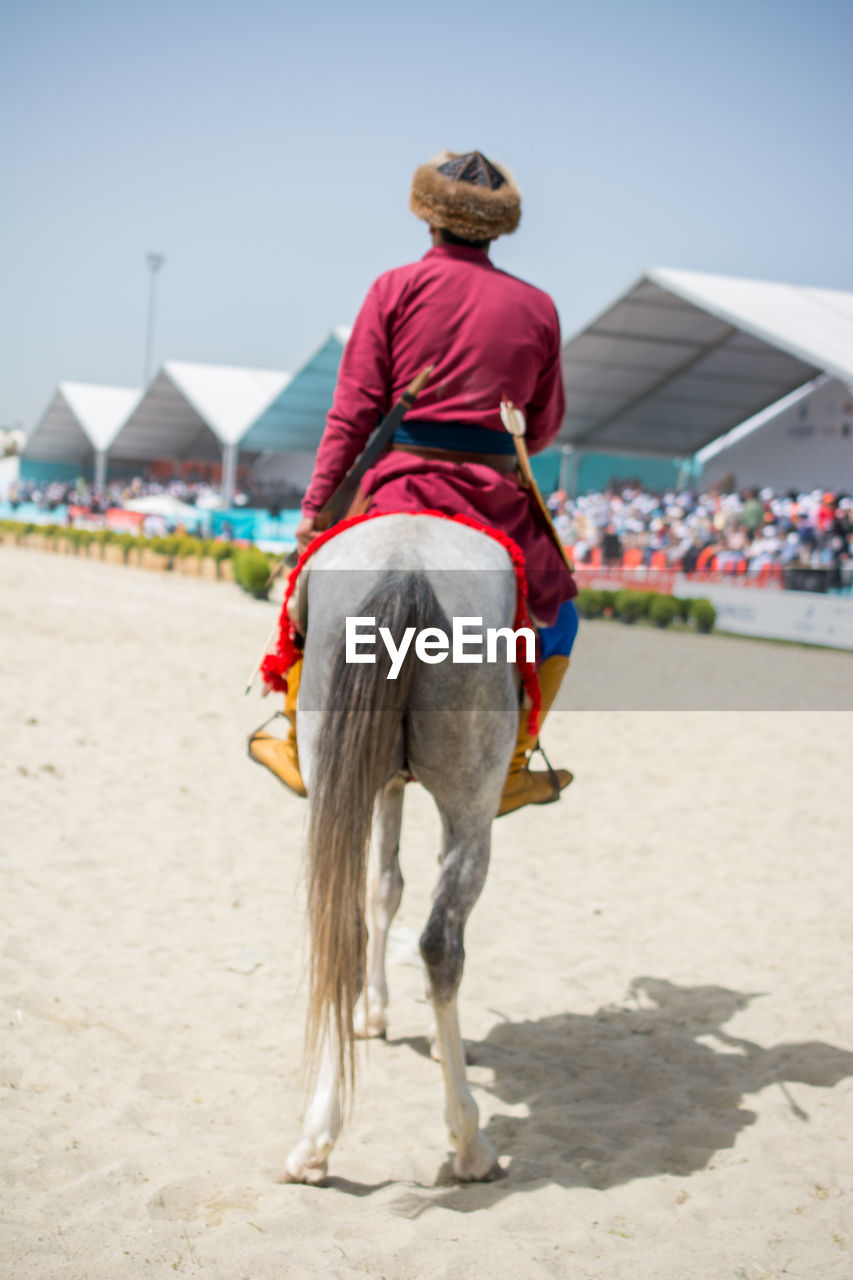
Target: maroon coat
490,337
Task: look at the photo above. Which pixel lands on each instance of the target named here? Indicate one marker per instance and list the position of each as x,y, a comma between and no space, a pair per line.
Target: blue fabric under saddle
453,435
561,637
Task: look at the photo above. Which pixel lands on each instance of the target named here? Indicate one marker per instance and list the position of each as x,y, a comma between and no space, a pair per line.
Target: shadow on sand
653,1087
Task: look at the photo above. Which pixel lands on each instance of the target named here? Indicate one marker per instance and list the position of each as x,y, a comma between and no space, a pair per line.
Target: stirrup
552,773
260,729
278,755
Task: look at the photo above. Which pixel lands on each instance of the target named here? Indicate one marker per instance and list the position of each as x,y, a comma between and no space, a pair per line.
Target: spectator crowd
732,533
751,532
79,493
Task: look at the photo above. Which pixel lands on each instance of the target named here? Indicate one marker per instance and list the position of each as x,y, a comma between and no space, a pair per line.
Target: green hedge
174,546
630,605
633,606
589,603
663,610
252,571
219,550
704,615
189,546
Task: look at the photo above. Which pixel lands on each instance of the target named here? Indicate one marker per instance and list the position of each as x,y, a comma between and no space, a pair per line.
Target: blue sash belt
453,435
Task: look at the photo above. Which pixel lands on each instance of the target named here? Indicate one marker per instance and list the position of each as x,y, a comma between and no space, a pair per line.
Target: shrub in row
252,571
631,606
174,547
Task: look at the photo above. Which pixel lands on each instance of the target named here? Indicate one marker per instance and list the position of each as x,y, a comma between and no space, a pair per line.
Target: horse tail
357,753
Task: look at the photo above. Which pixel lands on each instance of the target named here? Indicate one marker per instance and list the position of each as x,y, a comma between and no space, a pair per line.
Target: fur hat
467,195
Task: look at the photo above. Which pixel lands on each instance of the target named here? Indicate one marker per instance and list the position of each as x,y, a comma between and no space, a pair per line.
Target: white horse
451,726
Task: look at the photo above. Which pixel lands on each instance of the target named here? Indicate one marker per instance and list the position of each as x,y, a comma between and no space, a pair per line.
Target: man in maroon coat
491,337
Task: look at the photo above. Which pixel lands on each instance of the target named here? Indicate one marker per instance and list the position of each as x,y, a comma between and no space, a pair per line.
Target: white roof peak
681,357
100,410
227,397
813,324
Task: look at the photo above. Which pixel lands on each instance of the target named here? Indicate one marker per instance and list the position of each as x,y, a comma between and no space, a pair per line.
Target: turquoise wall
597,470
44,472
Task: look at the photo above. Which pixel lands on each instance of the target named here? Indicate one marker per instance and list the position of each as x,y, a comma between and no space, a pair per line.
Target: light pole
569,465
153,262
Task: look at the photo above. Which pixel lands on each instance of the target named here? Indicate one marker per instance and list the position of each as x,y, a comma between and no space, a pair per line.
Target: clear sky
266,148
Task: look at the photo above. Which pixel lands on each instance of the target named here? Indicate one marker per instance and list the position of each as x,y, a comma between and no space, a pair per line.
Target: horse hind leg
386,890
309,1160
462,877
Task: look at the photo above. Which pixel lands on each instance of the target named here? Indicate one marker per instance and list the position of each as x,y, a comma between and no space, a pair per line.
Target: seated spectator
611,546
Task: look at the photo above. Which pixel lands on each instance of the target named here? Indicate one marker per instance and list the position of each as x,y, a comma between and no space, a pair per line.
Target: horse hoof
369,1024
478,1163
302,1166
435,1052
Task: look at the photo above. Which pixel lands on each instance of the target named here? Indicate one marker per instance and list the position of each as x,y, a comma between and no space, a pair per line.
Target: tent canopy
804,442
196,410
81,420
295,419
682,357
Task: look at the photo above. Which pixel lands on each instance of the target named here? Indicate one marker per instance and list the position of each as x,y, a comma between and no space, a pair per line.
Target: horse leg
309,1159
463,874
386,890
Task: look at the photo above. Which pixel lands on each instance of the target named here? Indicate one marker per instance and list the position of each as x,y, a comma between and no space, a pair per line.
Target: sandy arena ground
655,995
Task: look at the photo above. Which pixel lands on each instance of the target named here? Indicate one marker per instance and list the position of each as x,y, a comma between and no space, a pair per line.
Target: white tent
803,443
80,424
286,435
198,411
293,422
680,358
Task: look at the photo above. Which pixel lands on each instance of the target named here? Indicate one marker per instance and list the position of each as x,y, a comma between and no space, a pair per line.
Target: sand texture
656,995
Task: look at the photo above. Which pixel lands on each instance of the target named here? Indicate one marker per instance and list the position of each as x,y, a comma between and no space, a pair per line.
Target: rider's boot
535,786
281,755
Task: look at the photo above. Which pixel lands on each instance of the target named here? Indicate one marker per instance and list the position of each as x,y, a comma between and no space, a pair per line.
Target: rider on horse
491,337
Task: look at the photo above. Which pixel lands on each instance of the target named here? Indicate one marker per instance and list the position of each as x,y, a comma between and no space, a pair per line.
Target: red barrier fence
657,577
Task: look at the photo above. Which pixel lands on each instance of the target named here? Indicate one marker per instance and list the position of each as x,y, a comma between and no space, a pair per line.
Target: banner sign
121,521
745,607
616,577
804,616
115,518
